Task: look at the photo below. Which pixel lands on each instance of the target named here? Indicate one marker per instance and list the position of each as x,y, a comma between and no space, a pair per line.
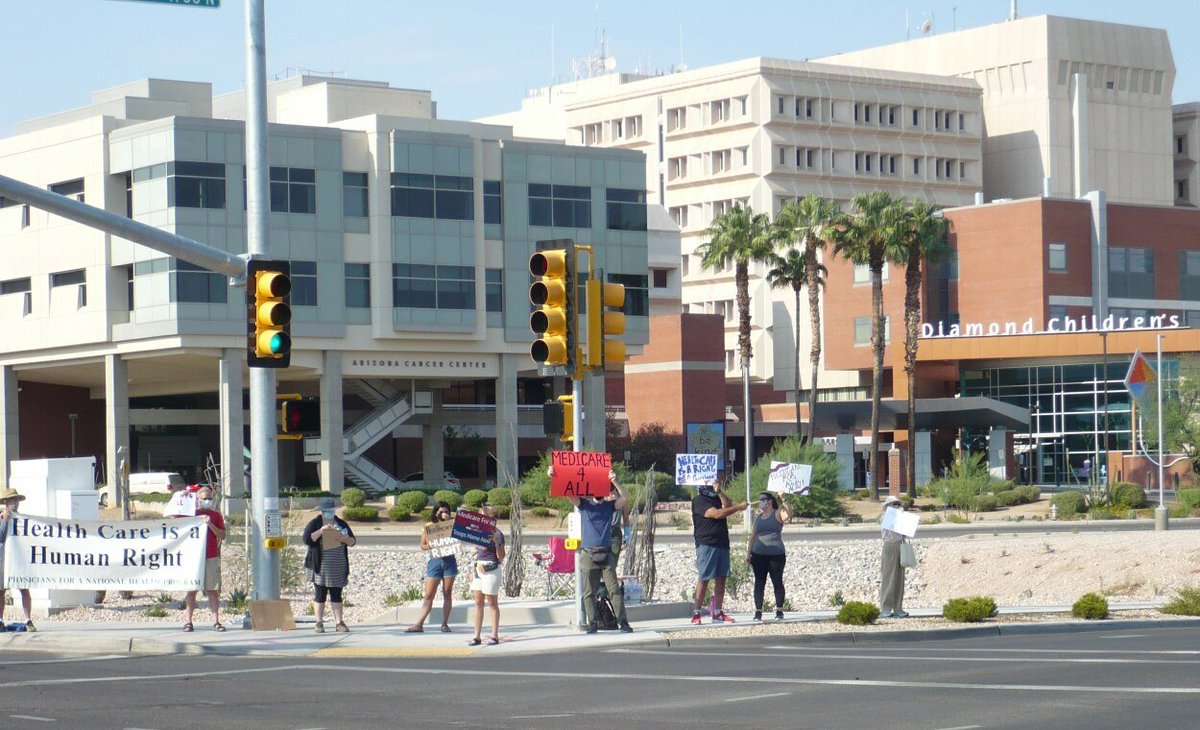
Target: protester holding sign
327,563
485,585
710,510
9,498
439,569
766,554
214,534
597,557
891,577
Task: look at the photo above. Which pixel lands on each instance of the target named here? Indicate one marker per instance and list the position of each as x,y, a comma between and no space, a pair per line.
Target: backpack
606,618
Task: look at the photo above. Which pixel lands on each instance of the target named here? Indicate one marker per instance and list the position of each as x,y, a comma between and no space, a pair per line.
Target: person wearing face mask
710,511
765,553
214,534
891,578
438,571
327,563
9,498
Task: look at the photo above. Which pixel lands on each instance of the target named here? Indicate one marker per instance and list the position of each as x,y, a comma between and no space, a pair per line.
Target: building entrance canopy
932,414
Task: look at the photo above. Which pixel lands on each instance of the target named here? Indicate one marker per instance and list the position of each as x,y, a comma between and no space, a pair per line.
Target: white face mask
206,503
328,515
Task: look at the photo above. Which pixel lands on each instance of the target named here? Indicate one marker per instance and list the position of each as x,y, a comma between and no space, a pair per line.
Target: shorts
439,568
712,562
487,583
212,574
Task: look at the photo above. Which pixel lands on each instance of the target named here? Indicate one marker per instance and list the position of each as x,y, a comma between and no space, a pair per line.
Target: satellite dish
610,64
926,26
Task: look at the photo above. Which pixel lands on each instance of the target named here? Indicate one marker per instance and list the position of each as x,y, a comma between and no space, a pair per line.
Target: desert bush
238,599
452,499
427,514
969,610
1029,494
353,497
540,511
858,613
824,499
1185,603
499,497
535,493
1189,498
413,500
475,498
360,514
1105,512
155,612
1090,606
1127,495
1068,503
399,513
983,503
503,512
1008,497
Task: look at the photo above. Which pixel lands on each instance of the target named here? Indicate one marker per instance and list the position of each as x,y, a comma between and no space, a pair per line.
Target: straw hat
8,493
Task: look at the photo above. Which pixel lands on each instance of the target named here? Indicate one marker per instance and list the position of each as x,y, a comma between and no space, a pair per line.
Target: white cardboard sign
897,520
789,478
696,469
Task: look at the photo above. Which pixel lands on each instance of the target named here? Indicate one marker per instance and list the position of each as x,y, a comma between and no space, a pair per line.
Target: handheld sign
182,504
789,478
906,523
473,527
440,538
580,474
696,469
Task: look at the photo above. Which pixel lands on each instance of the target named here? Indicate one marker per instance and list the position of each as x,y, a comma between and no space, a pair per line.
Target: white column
332,469
233,422
116,419
507,420
10,445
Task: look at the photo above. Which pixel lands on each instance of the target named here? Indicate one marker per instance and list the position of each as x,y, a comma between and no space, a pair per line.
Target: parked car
449,481
163,482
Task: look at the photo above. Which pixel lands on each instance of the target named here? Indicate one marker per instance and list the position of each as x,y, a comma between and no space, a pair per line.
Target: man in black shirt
710,510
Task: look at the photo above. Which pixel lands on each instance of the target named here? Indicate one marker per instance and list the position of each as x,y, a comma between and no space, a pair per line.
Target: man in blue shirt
596,555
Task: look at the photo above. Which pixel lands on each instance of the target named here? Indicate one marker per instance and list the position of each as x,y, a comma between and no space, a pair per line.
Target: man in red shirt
212,560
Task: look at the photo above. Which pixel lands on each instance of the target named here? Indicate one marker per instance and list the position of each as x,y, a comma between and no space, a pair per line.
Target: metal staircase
392,408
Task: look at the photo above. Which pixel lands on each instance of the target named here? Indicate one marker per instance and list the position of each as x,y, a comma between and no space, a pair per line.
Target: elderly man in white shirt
891,578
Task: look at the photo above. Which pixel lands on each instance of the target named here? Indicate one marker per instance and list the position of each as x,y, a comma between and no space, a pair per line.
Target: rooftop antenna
907,27
682,64
552,54
1012,10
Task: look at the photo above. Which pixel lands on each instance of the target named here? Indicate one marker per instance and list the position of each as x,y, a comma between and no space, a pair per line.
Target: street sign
1141,377
188,3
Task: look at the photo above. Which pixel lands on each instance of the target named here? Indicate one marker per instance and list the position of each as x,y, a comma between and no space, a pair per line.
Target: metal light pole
748,433
1160,513
577,445
264,475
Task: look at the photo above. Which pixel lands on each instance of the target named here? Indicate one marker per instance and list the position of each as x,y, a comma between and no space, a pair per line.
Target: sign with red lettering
475,528
580,474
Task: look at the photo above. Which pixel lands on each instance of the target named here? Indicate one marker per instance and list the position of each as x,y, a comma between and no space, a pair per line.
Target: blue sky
478,57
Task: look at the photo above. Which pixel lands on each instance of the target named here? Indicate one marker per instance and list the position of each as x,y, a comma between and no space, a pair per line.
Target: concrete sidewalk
380,639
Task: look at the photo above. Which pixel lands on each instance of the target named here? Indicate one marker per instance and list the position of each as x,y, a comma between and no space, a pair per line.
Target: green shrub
155,612
1185,603
237,600
360,514
1090,606
535,494
858,613
1127,495
1008,497
499,497
412,500
475,498
1179,511
452,499
151,497
392,601
983,503
1104,512
427,514
969,610
824,499
541,511
399,514
503,512
1029,494
1190,498
1068,503
353,497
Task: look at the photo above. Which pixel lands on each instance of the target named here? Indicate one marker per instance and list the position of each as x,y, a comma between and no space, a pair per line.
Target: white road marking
538,717
105,658
905,657
757,697
325,669
962,727
35,718
943,650
1125,636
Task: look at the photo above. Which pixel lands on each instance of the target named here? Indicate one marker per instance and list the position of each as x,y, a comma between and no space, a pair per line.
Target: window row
570,206
872,163
613,131
1113,78
704,164
706,113
824,109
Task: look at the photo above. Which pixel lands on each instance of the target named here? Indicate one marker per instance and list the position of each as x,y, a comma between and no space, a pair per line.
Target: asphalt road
799,533
1118,678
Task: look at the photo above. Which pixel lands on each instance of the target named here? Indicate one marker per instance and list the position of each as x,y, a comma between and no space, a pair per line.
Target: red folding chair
559,565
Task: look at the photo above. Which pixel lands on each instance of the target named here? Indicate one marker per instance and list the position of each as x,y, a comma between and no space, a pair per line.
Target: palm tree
811,222
870,238
739,237
789,270
922,231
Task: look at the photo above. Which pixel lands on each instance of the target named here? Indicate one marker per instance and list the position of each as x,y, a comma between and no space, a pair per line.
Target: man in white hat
9,498
891,572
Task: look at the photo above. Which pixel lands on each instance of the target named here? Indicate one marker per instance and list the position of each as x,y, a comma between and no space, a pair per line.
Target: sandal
218,626
492,641
188,628
341,628
414,630
474,642
445,629
320,627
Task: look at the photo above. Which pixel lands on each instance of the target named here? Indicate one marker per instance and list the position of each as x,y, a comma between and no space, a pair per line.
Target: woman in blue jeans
438,570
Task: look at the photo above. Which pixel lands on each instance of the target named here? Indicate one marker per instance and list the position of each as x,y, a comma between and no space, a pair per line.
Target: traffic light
301,417
568,429
602,321
558,418
553,291
268,335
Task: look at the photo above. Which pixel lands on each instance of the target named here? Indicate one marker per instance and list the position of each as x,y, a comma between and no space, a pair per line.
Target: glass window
190,283
433,287
304,284
494,289
15,286
862,330
626,209
492,202
293,190
358,286
1057,255
354,195
196,185
564,206
659,278
70,189
446,197
67,278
